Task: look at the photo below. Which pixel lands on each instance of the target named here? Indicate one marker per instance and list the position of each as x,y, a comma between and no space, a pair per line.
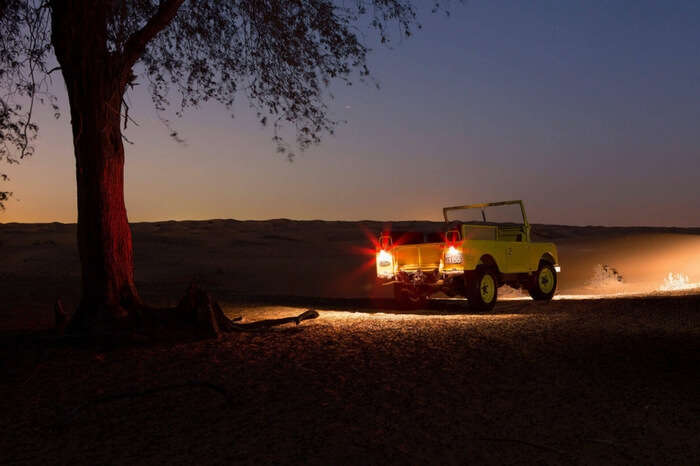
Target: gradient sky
587,110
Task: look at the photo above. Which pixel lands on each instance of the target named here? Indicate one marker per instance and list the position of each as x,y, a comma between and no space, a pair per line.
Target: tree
18,61
280,54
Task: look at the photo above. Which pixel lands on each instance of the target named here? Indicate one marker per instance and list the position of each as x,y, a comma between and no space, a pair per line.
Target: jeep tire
482,289
543,283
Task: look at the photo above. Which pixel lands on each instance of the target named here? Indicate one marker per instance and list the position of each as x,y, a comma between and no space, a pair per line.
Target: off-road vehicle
481,248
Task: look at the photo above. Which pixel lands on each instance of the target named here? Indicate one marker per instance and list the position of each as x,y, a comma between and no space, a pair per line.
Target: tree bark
104,235
95,81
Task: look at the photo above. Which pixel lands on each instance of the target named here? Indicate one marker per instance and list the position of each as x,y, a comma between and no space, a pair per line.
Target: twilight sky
587,110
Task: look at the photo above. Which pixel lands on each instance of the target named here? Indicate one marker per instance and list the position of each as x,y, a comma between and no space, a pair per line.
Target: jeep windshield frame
482,207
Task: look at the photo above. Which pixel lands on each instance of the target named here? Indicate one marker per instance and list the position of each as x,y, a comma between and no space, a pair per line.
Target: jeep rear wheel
482,289
408,297
543,283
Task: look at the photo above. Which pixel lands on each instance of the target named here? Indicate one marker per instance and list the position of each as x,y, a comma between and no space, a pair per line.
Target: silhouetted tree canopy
280,54
24,48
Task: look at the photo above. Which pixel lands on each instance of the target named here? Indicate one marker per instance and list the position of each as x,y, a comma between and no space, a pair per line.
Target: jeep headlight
453,256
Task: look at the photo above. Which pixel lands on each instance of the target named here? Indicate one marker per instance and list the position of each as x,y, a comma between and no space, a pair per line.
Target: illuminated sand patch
363,316
678,282
596,295
606,280
401,316
577,296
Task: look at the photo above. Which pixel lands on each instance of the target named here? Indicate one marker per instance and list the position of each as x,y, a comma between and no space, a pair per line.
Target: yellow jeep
483,247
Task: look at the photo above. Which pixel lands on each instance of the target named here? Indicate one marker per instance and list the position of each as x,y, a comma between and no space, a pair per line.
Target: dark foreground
571,382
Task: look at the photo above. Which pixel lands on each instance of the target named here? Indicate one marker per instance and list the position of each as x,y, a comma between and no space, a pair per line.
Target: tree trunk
104,235
96,82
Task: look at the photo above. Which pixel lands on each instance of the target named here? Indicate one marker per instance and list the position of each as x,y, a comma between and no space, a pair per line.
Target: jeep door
517,256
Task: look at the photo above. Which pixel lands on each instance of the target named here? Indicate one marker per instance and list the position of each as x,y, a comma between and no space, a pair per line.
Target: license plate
453,259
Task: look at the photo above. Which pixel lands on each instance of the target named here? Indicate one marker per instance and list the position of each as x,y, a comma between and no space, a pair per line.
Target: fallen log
199,308
262,324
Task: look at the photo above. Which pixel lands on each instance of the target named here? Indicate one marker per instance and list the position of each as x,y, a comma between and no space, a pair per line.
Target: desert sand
606,373
234,259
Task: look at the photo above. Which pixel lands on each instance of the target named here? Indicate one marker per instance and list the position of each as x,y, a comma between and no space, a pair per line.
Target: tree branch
136,44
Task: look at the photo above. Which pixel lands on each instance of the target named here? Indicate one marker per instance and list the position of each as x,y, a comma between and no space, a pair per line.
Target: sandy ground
574,381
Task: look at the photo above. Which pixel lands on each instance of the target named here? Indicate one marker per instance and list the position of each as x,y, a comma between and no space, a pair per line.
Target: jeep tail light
453,256
384,258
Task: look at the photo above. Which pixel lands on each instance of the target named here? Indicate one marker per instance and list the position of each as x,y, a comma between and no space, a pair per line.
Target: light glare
678,282
384,258
453,256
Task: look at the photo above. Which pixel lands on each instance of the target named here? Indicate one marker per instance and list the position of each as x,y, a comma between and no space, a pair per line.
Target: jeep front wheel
543,283
482,289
